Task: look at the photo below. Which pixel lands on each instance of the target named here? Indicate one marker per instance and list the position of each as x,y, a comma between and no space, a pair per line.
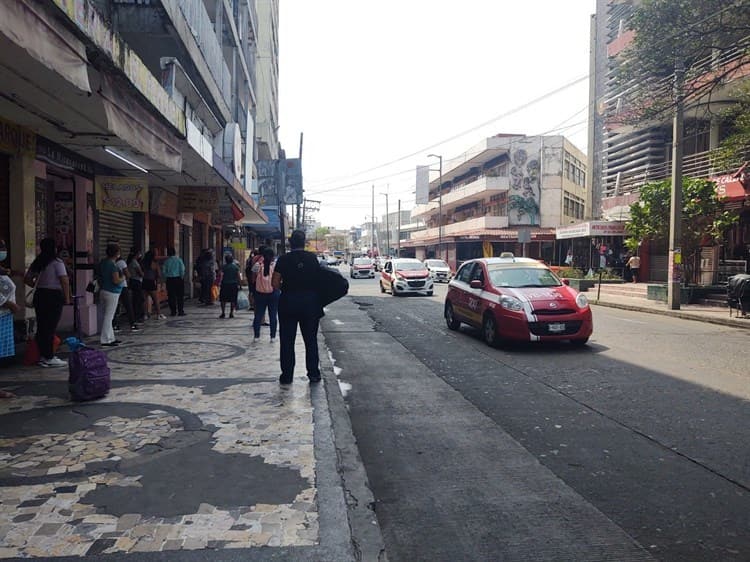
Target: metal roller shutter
115,225
4,199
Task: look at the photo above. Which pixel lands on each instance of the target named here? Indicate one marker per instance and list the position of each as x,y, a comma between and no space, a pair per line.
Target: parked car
403,276
520,299
361,267
332,260
439,270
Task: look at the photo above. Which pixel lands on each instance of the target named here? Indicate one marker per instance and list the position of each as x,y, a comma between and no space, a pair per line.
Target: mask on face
3,255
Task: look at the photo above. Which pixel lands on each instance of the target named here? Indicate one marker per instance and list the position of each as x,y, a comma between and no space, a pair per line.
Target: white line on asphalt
629,320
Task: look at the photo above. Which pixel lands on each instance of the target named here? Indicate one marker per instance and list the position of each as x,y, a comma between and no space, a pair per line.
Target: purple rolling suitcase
89,376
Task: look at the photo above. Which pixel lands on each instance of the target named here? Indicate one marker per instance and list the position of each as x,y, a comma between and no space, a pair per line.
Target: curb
367,541
676,314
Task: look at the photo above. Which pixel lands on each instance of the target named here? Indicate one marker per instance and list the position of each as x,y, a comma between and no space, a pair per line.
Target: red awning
733,187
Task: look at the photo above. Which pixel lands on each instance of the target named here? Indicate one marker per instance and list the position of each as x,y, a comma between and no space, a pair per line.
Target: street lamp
440,202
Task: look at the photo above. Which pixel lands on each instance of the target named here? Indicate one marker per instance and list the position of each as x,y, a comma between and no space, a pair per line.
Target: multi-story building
127,121
508,193
623,155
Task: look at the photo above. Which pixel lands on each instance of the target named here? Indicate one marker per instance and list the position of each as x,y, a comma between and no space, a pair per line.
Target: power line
472,129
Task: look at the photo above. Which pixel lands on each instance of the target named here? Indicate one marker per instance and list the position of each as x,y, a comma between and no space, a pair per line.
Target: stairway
619,290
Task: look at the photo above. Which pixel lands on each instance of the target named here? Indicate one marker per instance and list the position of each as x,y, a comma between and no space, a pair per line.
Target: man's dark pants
176,295
299,308
206,282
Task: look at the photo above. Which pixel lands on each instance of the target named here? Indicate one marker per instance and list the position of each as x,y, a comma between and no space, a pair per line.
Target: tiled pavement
197,446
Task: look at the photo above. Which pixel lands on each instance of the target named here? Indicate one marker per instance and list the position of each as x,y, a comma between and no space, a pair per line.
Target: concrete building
623,155
126,121
508,193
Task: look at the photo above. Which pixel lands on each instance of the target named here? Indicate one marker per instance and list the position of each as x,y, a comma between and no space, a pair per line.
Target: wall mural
525,191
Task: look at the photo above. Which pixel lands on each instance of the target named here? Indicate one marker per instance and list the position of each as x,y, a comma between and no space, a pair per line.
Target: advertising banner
292,181
267,181
199,199
423,185
121,194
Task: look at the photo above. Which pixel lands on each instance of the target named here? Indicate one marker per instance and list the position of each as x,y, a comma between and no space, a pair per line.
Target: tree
704,219
733,150
710,39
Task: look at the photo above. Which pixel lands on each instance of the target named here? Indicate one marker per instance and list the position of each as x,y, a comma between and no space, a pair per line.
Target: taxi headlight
511,303
581,300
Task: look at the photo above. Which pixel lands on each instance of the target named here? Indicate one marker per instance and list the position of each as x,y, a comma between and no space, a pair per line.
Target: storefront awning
732,187
271,229
591,228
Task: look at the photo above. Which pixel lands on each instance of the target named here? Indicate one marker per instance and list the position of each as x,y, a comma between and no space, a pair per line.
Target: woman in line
110,294
230,285
48,274
136,282
8,308
150,280
265,295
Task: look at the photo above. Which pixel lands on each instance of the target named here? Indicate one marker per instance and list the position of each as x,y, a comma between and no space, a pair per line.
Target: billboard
292,181
423,185
121,194
525,192
267,181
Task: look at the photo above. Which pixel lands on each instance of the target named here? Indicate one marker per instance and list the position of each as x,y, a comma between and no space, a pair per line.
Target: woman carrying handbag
47,274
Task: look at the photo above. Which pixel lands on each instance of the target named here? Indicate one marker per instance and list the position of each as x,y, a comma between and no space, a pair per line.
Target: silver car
439,270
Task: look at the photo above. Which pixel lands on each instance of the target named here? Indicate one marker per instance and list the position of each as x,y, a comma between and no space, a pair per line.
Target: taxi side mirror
476,284
566,282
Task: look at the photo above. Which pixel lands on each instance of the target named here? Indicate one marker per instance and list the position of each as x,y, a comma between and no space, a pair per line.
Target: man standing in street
173,270
295,275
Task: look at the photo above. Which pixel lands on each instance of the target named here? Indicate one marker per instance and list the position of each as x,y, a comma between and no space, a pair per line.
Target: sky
376,86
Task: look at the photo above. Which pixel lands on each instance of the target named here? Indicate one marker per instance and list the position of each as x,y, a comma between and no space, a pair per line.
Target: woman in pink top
47,272
265,295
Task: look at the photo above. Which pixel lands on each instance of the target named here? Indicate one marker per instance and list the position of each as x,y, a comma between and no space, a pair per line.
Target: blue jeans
299,308
265,301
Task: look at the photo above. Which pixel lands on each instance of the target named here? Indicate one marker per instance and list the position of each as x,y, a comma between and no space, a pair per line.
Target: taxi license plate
557,327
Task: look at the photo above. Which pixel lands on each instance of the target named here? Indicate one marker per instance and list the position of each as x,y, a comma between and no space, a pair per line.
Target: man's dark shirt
297,270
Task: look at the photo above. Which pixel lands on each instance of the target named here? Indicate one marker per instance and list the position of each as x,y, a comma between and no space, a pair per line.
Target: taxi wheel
382,289
450,319
580,342
393,291
489,330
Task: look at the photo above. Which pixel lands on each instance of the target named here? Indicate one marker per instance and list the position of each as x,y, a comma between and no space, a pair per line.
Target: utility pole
440,206
372,226
299,223
387,227
398,232
674,271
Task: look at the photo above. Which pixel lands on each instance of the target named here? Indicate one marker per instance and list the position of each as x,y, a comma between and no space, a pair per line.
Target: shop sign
62,158
121,194
197,199
574,231
591,228
163,203
605,228
16,139
730,187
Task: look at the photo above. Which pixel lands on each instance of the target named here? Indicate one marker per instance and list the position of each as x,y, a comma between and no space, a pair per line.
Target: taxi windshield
519,277
408,265
436,263
362,261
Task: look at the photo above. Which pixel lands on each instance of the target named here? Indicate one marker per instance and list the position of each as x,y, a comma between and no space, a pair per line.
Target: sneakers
54,362
111,344
222,316
134,328
161,317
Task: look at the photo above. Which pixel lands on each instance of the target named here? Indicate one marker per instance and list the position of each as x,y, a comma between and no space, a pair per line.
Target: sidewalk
702,313
196,449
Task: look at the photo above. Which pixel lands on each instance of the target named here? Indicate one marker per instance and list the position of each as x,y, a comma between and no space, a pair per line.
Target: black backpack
330,285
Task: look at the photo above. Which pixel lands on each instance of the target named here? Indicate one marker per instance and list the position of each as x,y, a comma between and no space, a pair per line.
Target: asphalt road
646,426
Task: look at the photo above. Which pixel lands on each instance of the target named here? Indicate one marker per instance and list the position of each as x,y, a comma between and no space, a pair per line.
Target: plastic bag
214,292
243,301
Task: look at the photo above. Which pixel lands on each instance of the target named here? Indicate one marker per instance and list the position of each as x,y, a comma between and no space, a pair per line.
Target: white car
403,276
361,267
439,270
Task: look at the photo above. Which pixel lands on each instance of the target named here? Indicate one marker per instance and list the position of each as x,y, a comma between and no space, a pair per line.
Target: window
463,273
574,169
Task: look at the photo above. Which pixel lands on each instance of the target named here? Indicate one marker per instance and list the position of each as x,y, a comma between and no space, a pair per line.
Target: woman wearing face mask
48,274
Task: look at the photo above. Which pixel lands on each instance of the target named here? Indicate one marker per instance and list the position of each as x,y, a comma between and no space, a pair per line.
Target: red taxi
402,276
520,299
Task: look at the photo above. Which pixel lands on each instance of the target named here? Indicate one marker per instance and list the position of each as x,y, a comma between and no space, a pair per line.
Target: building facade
125,121
623,155
507,193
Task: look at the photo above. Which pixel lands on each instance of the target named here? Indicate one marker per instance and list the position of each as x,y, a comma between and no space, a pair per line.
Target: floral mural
525,192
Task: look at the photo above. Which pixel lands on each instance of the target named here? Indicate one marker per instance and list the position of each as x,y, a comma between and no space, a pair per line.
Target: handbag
330,285
93,286
31,293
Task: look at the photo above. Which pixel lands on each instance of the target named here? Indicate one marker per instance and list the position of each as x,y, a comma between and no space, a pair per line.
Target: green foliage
570,273
734,148
704,219
687,31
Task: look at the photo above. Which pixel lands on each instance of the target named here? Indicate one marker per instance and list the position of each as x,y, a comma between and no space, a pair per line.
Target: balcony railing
477,190
699,165
202,29
464,227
